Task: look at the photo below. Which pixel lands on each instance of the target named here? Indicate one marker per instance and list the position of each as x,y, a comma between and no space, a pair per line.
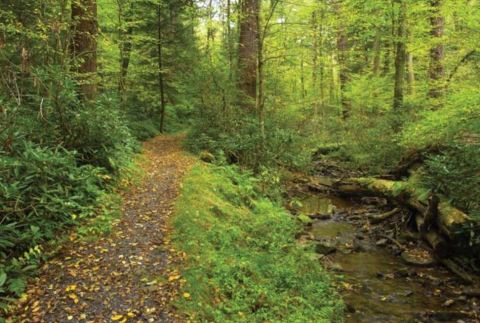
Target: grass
243,263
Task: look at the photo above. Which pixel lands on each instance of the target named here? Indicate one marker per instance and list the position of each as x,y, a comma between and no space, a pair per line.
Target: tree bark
161,86
400,57
126,45
437,53
248,51
342,47
377,45
84,45
411,74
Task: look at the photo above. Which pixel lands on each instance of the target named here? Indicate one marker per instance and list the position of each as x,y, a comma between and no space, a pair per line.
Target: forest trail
123,276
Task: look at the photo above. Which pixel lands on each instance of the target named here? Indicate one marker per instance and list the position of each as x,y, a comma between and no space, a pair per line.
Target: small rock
448,303
417,257
325,249
322,217
381,242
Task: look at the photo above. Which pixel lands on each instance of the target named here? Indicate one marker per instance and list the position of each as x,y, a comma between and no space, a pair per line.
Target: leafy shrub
456,173
143,129
102,136
241,141
41,191
243,263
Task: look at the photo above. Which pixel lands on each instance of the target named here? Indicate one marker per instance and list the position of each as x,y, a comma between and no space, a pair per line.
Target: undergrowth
243,262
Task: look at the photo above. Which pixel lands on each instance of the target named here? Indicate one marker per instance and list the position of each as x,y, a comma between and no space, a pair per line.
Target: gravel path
125,276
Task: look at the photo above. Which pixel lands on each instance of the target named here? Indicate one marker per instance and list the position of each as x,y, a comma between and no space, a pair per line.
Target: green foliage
456,174
243,261
41,191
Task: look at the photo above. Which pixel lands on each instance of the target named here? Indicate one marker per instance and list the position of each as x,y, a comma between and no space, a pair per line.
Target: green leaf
3,278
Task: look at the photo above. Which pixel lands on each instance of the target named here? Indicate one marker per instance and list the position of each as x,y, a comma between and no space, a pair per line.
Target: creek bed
377,285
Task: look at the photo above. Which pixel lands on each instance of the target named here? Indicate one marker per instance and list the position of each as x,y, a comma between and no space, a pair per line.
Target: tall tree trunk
126,32
315,71
411,74
342,48
248,50
377,45
84,45
400,56
437,52
229,40
343,73
161,81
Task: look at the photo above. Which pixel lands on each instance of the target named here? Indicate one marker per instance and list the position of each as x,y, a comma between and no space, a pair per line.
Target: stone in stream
325,248
418,257
319,216
381,243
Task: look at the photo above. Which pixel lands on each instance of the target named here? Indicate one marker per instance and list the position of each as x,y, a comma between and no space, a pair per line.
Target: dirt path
123,277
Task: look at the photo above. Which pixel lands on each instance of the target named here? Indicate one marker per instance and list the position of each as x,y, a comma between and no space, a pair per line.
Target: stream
377,285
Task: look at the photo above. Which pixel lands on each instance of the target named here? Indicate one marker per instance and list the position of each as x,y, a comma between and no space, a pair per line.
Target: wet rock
418,258
325,248
359,236
472,292
335,267
321,217
381,243
448,303
449,316
402,273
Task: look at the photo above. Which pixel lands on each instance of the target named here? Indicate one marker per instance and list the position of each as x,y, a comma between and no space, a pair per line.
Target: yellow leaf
74,298
173,278
117,317
186,295
69,317
71,288
131,314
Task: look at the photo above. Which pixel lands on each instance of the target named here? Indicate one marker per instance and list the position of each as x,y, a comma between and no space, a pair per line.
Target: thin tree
161,81
437,52
125,34
400,56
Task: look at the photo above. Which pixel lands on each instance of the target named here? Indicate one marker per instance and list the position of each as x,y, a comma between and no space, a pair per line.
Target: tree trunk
437,53
161,82
125,33
315,62
400,56
84,45
411,74
229,40
342,47
377,45
248,50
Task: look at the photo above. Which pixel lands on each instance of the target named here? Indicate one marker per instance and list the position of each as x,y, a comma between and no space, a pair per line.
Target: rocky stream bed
386,273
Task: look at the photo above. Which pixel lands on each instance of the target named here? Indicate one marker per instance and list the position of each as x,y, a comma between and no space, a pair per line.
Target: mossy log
449,220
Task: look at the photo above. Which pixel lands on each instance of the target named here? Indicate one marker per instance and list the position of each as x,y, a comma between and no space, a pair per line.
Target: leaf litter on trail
104,279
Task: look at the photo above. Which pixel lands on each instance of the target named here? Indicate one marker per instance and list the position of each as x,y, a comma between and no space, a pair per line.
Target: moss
243,262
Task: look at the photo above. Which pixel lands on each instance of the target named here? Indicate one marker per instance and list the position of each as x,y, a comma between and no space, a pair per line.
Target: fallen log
449,219
412,158
378,218
456,269
440,246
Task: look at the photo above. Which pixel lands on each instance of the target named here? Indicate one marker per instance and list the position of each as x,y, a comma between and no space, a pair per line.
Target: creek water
376,284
